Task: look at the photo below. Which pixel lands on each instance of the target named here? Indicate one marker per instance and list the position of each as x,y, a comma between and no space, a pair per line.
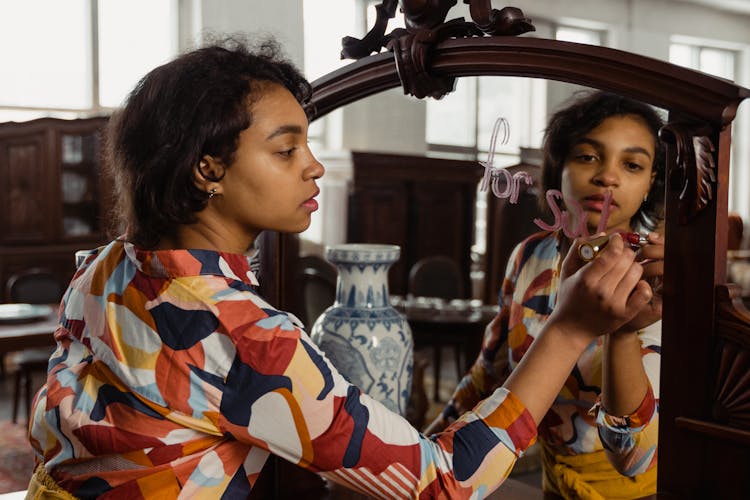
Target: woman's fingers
654,249
615,271
607,291
572,261
640,297
653,268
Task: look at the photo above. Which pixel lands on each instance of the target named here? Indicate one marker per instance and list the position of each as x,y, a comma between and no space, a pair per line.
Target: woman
173,377
599,439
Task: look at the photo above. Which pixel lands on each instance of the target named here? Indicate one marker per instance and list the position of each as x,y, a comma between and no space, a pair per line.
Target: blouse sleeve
285,396
631,441
491,366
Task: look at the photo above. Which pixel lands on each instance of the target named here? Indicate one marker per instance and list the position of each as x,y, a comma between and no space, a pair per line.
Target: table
35,333
460,323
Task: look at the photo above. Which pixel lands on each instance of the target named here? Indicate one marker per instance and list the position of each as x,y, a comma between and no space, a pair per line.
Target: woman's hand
601,296
651,258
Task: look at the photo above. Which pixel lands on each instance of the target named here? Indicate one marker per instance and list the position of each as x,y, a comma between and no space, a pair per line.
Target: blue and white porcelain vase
365,338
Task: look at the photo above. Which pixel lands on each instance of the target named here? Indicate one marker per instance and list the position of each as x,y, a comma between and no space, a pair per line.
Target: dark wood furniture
438,325
52,196
507,225
410,201
704,441
33,286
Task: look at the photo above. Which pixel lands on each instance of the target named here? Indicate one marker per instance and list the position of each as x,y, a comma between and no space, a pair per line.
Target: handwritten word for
573,226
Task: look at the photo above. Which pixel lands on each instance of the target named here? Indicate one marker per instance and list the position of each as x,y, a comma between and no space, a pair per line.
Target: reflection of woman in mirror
173,377
599,438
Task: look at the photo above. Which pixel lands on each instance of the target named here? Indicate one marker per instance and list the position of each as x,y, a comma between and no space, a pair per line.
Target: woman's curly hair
569,125
193,106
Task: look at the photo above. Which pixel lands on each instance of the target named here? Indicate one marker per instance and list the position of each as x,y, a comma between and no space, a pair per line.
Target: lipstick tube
588,250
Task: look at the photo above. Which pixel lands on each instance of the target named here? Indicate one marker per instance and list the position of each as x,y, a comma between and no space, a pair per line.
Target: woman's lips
311,204
596,203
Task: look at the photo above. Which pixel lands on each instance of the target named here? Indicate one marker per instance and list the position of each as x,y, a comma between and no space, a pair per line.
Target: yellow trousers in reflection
590,476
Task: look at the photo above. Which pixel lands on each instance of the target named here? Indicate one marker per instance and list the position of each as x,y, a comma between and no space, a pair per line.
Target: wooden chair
317,287
438,276
735,228
33,286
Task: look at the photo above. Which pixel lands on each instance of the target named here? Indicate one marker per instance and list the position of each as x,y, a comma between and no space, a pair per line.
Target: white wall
280,18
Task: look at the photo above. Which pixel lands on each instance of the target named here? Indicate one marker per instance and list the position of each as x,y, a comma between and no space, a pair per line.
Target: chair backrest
735,229
436,276
318,287
34,286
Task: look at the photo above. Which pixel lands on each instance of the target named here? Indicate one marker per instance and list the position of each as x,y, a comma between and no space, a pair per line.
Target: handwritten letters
573,220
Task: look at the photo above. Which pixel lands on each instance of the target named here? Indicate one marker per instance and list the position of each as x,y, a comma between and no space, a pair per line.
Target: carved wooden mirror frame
705,377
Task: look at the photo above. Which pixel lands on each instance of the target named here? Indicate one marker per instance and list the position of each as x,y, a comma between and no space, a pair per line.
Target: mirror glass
436,148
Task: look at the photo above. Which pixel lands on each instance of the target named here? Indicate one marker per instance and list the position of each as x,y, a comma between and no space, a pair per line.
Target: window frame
27,113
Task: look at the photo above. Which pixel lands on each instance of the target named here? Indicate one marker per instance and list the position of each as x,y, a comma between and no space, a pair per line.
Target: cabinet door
25,182
378,213
442,223
79,184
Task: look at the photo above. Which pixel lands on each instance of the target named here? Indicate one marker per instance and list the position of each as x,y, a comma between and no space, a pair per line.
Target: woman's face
615,156
271,183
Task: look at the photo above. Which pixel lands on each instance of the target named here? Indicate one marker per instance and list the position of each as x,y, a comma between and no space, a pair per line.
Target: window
720,61
714,61
131,44
79,57
462,122
578,35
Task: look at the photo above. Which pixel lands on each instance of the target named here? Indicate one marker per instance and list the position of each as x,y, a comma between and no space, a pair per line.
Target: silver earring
212,193
645,198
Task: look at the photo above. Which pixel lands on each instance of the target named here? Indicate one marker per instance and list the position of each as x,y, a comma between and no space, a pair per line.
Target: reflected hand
651,257
600,296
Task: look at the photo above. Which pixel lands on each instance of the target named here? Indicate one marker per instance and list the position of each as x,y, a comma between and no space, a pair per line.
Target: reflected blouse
575,423
173,378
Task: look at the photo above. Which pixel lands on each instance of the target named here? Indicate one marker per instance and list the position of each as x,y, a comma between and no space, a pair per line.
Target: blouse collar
193,262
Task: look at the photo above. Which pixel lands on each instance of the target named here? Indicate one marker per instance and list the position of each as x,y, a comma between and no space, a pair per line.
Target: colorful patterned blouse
574,425
173,378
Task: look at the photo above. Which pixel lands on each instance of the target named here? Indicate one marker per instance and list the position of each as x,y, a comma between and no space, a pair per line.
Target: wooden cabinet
425,205
508,224
53,199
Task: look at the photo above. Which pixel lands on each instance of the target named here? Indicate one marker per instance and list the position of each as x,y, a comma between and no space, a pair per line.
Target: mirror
406,168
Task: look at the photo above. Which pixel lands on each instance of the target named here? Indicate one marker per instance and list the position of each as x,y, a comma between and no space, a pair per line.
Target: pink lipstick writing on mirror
591,248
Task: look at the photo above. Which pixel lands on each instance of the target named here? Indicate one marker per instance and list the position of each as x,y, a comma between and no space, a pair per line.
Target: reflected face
271,183
615,156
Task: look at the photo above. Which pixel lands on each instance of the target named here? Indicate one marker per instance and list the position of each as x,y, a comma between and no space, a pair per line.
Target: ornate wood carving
731,404
425,28
733,318
694,168
731,394
507,21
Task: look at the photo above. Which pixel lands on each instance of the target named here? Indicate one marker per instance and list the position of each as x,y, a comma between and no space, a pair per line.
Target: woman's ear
207,173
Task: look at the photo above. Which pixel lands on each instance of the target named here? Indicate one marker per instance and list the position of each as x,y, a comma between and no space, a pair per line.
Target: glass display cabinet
52,195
